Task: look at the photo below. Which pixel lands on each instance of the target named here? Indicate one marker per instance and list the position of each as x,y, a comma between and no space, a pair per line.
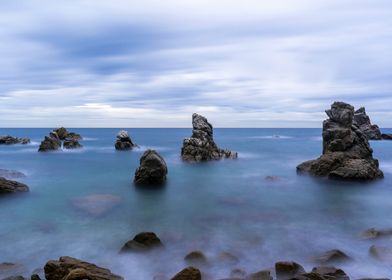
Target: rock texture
346,151
143,241
288,270
201,146
50,143
189,273
152,169
10,140
60,137
71,144
386,136
124,141
9,186
362,120
67,268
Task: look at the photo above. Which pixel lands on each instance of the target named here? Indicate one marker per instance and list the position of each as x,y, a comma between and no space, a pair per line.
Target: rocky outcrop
362,120
10,140
124,141
60,137
152,169
142,242
288,270
386,136
201,146
67,268
9,186
346,151
50,143
189,273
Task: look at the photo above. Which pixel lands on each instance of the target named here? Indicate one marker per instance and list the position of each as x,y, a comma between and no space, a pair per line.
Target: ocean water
215,207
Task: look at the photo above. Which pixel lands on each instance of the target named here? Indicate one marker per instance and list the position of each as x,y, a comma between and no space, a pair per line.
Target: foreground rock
60,137
124,141
362,120
189,273
9,186
346,151
10,140
142,242
201,146
152,169
96,205
288,270
333,256
67,268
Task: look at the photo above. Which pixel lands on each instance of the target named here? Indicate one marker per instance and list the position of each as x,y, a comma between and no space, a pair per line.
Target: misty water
215,207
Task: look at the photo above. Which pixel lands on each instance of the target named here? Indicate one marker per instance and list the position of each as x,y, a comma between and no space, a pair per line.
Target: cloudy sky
152,63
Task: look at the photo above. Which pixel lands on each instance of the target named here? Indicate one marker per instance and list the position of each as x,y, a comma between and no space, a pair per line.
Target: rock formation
143,241
152,169
201,146
10,140
346,150
362,120
71,144
50,143
124,141
386,136
189,273
53,142
9,186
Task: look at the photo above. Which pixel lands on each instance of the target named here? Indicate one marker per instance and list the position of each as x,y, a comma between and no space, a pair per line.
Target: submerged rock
96,205
10,174
10,140
333,256
196,258
381,253
201,146
152,169
373,233
67,268
260,275
9,186
124,141
50,143
346,151
143,241
288,270
362,120
189,273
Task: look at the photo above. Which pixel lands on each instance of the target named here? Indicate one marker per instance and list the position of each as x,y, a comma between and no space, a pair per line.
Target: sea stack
362,120
124,141
10,140
346,151
152,169
54,142
201,146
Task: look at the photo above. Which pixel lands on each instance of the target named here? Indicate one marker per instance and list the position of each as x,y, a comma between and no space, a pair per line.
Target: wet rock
53,142
196,258
373,233
9,186
10,174
333,256
347,154
11,269
71,144
261,275
124,141
228,258
386,136
96,205
288,270
189,273
362,120
152,169
50,143
201,146
73,136
35,277
62,132
380,253
68,268
143,241
10,140
330,273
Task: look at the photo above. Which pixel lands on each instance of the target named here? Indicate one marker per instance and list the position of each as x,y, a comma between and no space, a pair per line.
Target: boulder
67,268
143,241
124,141
346,154
96,205
386,136
288,270
201,146
10,140
71,144
196,258
189,273
50,143
9,186
59,136
362,120
373,233
330,273
35,277
152,169
333,256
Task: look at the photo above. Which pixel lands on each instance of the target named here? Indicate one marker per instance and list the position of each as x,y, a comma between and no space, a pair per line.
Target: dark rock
261,275
152,169
35,277
67,268
333,256
346,154
9,186
15,278
374,279
201,146
143,241
189,273
10,140
50,143
373,233
288,270
124,141
96,205
71,144
362,120
10,174
386,136
330,273
73,136
61,132
196,258
380,253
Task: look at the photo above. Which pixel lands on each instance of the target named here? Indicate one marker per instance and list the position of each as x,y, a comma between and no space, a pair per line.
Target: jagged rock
362,120
189,273
35,277
61,132
96,205
143,241
333,256
73,136
373,233
201,146
71,144
288,270
381,253
330,273
196,258
152,169
67,268
54,140
346,151
50,143
10,174
124,141
10,140
386,136
9,186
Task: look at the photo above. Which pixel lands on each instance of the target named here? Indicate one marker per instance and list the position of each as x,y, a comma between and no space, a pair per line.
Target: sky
152,63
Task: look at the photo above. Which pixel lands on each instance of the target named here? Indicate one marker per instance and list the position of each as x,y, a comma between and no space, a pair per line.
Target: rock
68,268
373,233
73,136
329,272
54,140
10,174
261,275
346,154
380,253
10,140
124,141
15,278
152,169
238,273
61,132
386,136
201,146
96,205
71,144
228,258
35,277
196,258
11,269
50,143
362,120
333,256
143,241
9,186
189,273
288,270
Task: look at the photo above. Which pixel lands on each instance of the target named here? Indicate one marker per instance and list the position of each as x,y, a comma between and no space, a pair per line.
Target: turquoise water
213,207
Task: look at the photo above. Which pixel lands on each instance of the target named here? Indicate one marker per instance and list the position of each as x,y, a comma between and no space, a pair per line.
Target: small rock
143,241
288,270
261,275
272,178
152,169
9,186
380,253
96,205
15,278
328,272
49,144
238,273
196,258
10,140
189,273
35,277
124,141
373,233
333,256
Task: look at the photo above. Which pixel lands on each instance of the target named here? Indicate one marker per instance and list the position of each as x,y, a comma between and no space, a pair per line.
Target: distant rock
142,242
333,256
9,186
50,143
260,275
189,273
11,174
10,140
64,134
362,120
386,136
201,146
54,142
71,144
346,154
124,141
67,268
96,205
381,253
196,258
373,233
152,169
